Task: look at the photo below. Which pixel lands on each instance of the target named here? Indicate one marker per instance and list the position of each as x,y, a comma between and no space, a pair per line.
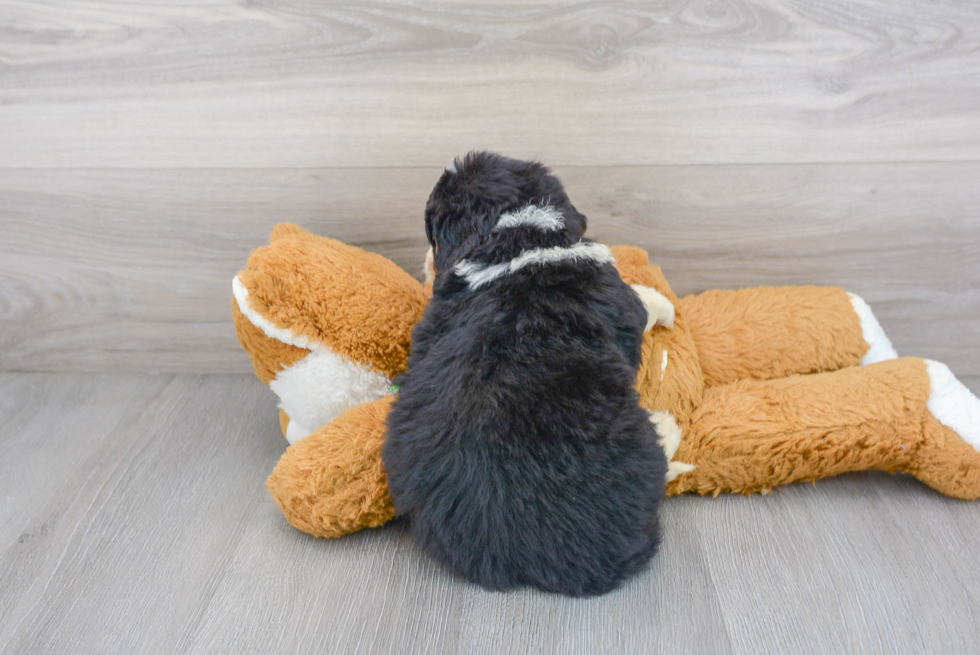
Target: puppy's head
474,191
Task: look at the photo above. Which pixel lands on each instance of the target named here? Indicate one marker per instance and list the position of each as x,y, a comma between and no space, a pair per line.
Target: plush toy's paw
670,440
948,459
953,404
333,482
880,347
660,311
937,426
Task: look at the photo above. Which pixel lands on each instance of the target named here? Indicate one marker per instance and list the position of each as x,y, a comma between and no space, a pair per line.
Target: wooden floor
135,520
146,148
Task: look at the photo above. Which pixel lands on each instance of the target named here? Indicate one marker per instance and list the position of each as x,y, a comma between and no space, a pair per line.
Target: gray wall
144,150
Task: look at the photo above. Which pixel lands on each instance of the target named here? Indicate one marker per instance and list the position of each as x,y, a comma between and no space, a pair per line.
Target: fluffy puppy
517,446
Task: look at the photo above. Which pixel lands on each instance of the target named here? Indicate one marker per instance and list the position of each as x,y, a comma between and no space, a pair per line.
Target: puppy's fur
516,445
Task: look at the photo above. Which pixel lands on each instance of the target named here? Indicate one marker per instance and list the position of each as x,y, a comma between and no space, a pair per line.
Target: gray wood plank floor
135,519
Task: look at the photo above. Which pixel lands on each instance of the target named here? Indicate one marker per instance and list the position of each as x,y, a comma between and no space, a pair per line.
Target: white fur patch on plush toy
429,267
320,387
670,440
660,311
881,347
952,404
296,432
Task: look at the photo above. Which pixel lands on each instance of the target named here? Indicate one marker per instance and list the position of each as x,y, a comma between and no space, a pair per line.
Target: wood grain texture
131,270
51,428
375,592
145,148
291,83
846,566
121,554
156,535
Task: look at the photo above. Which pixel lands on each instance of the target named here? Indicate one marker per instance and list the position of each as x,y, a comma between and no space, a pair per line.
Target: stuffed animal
768,385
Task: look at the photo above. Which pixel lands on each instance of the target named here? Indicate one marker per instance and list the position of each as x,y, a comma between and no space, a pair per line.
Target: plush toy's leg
771,332
332,482
879,345
906,414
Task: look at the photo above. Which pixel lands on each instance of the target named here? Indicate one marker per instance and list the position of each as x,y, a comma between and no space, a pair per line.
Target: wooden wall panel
298,84
131,269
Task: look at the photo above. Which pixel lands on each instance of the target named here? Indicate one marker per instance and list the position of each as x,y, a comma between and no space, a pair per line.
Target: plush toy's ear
327,325
318,292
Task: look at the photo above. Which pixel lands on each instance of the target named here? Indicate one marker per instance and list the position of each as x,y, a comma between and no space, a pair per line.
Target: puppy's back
517,445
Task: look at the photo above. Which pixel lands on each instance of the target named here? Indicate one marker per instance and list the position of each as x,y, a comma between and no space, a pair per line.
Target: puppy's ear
541,185
575,222
451,236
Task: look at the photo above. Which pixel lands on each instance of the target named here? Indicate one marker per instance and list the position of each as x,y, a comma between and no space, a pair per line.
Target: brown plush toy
768,385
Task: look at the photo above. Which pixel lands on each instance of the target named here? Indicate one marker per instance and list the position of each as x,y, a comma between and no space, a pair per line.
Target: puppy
516,446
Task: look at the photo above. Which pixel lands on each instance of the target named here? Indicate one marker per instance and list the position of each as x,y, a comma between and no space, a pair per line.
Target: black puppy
516,445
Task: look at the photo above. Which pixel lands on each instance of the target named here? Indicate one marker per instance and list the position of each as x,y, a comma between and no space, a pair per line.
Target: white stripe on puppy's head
546,219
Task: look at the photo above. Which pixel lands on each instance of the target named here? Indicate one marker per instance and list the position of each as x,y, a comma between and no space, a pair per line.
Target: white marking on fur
667,430
669,433
478,275
880,347
429,268
677,469
296,432
318,388
660,311
271,330
546,219
663,366
952,404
